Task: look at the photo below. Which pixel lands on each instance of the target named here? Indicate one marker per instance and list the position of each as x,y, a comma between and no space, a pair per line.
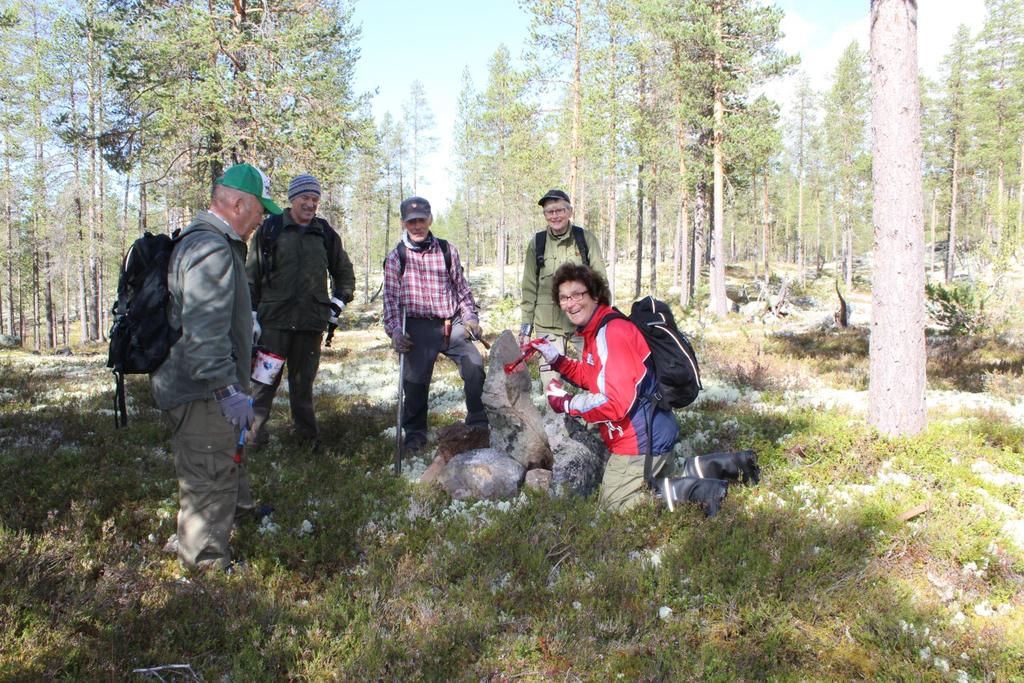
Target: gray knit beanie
303,183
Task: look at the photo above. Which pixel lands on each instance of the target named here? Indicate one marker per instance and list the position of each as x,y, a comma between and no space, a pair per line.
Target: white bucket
266,367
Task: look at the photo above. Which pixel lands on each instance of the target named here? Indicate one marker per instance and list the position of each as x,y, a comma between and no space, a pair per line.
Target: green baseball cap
248,178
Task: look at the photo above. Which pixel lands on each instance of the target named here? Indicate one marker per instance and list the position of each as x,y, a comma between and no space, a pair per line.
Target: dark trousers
301,351
428,341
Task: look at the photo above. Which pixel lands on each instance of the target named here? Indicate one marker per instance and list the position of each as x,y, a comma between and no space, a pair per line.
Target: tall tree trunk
66,317
48,307
896,389
934,218
817,234
9,220
766,221
1020,195
577,104
613,221
954,202
848,253
800,228
653,230
639,229
698,250
719,305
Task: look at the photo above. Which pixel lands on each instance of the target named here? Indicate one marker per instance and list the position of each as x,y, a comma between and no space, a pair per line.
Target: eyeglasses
555,212
573,297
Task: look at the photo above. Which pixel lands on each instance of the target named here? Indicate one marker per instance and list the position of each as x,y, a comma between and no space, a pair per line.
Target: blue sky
404,40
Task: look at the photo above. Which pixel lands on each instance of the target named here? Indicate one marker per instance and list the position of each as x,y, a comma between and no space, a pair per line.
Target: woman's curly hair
596,286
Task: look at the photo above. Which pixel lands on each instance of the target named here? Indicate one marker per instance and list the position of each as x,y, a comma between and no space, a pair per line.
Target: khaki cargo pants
623,485
211,486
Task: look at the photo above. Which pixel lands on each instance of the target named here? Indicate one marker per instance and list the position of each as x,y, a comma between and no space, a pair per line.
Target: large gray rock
579,455
517,427
482,473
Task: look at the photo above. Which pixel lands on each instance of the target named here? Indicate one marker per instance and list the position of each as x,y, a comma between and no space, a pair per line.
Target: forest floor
857,556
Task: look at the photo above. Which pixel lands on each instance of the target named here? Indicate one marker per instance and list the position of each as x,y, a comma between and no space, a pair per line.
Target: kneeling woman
616,372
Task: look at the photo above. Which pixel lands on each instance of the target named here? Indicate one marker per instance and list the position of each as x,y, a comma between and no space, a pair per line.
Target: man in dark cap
292,256
426,290
561,242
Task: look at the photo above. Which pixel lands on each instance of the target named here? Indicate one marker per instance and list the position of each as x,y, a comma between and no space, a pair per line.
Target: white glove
337,306
558,398
546,349
256,329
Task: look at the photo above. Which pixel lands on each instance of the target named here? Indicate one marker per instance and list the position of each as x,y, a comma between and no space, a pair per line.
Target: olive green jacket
289,289
538,307
210,303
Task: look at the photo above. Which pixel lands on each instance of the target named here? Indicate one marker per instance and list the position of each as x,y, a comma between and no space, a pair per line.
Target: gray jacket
210,303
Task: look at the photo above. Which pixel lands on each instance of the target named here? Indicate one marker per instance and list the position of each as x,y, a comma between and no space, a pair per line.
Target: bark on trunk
639,230
896,390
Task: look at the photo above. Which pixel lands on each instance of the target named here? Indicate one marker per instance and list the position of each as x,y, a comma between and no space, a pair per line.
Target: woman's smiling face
576,302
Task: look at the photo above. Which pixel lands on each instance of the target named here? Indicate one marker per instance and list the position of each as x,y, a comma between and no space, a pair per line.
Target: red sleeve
622,351
572,370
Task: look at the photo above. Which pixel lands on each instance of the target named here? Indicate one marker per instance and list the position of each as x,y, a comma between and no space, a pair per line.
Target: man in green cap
561,242
203,386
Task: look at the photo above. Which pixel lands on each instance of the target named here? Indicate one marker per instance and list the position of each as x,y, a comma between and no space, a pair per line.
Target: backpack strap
581,244
269,233
445,251
540,241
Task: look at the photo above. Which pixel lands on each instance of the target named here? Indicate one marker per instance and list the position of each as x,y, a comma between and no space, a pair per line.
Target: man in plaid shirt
439,310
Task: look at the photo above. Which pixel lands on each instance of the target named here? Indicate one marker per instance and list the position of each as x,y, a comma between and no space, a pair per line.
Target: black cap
415,207
554,194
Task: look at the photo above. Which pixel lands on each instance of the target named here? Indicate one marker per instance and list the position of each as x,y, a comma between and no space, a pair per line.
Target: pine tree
896,403
418,118
846,107
954,119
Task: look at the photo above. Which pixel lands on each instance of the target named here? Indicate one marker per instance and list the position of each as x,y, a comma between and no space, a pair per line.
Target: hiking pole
401,400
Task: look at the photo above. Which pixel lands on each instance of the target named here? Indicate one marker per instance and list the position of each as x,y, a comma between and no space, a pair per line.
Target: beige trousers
212,487
623,485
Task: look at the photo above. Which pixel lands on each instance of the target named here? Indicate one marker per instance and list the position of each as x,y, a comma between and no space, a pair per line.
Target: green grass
806,577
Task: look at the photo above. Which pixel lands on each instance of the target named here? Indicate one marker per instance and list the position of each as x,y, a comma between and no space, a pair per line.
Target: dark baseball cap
415,207
554,194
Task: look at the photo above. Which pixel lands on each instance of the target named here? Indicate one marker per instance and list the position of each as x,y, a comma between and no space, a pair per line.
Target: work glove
558,398
236,406
525,330
474,330
256,329
337,306
401,342
546,349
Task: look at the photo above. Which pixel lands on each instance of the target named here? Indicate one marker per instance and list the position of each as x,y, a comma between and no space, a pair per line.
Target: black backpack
675,363
541,242
141,335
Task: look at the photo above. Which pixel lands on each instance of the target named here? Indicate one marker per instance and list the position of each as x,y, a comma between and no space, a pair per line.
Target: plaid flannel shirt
425,290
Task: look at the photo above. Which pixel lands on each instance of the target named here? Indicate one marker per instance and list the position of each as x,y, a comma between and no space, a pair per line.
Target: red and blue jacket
616,372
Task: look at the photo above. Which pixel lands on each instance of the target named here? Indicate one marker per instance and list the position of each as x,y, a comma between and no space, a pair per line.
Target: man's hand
474,330
337,306
401,342
558,398
546,349
236,406
525,330
256,329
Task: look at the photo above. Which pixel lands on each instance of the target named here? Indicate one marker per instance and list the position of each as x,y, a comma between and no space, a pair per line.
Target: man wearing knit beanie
288,267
